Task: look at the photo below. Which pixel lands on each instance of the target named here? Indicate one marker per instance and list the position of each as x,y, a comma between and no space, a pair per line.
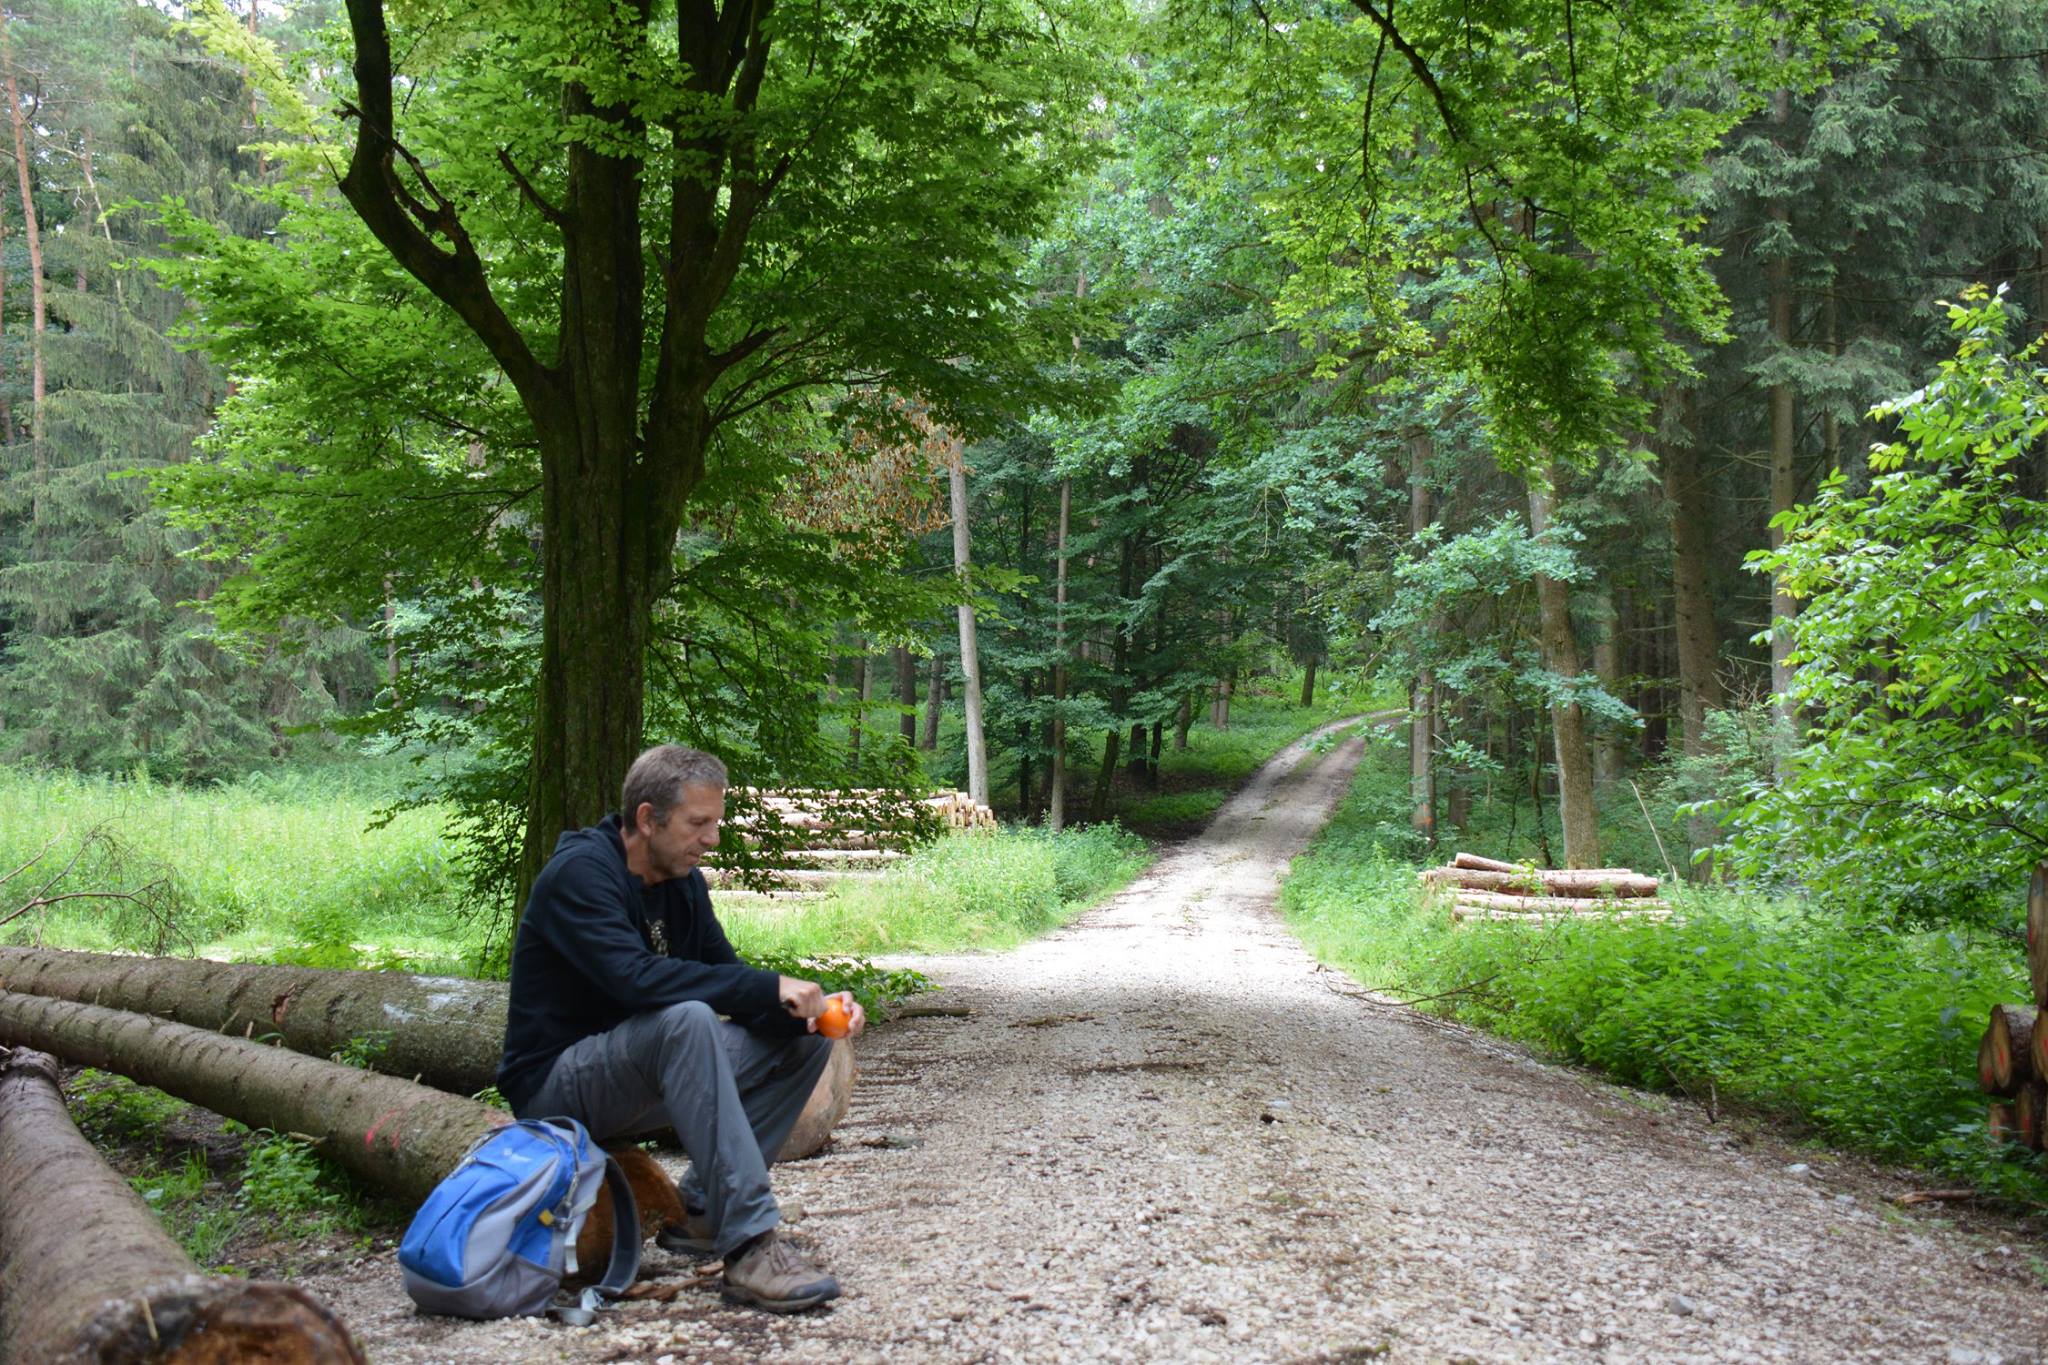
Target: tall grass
292,859
982,890
298,867
1865,1033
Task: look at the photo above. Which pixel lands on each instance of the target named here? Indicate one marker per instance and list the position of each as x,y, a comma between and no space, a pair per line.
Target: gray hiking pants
732,1096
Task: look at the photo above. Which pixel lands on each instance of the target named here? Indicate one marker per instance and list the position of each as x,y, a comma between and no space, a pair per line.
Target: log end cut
2006,1057
201,1320
2033,1109
87,1274
824,1109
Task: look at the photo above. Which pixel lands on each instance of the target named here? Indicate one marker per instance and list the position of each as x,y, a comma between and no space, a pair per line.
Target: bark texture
88,1274
39,314
1056,802
906,695
1422,690
1784,431
444,1031
392,1134
1608,742
1699,645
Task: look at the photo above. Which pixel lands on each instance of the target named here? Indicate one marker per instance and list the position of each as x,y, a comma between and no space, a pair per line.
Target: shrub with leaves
1922,653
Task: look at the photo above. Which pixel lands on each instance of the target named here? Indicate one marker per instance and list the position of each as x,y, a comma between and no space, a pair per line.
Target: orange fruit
837,1019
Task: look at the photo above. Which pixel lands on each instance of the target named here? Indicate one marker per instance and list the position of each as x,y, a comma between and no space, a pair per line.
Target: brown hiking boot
693,1236
769,1273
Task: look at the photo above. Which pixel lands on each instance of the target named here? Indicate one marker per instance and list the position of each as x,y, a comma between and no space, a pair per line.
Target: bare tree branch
31,862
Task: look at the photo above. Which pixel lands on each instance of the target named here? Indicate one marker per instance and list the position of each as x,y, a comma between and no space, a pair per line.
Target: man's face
676,847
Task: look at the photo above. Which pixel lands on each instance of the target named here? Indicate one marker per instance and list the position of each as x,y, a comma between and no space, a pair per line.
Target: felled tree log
397,1136
2005,1057
87,1274
320,1012
1607,882
654,1199
2037,935
824,1109
725,878
1471,914
446,1031
1497,900
1475,863
1986,1080
2037,1050
2033,1111
2002,1123
1472,862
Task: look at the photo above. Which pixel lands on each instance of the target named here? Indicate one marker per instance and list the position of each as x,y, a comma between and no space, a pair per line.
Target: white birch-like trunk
970,659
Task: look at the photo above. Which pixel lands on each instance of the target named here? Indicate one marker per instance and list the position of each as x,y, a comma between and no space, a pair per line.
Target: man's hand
804,999
856,1017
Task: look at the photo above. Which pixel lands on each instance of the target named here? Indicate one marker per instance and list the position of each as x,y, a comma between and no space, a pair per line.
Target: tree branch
533,196
1416,63
406,227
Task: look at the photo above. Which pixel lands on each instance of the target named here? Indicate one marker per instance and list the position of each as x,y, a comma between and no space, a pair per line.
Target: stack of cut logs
1486,889
841,835
2012,1057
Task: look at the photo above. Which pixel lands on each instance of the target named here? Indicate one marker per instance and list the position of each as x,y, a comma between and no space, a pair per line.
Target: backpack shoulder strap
625,1262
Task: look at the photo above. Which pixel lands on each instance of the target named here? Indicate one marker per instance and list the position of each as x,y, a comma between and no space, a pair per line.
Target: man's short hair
658,777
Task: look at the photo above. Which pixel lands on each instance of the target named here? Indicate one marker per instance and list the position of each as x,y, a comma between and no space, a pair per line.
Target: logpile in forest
820,838
1487,890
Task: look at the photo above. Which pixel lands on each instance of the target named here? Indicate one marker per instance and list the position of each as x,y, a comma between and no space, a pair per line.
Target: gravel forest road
1164,1134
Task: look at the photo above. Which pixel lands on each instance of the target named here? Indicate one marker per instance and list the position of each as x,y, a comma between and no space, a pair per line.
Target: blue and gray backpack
496,1236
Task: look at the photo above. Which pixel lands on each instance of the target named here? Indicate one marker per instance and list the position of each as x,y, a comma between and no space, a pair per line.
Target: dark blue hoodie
589,956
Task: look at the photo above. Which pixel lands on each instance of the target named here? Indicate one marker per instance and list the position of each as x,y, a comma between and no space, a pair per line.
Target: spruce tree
108,665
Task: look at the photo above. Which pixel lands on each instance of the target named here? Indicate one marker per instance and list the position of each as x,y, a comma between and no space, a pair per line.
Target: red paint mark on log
370,1138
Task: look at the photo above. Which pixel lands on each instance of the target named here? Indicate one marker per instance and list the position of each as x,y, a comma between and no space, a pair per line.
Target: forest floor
1163,1133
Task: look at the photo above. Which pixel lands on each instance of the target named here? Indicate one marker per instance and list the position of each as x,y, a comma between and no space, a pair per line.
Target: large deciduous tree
661,221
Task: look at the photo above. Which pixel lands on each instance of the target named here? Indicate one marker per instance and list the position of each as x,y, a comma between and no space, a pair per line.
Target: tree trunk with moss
87,1273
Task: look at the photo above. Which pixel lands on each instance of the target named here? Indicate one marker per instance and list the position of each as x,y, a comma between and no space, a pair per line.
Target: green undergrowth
225,1192
989,889
1864,1034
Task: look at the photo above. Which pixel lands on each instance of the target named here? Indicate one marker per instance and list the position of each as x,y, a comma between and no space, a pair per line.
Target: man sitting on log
619,975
